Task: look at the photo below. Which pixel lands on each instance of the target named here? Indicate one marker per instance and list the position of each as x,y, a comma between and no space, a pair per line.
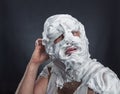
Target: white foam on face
65,24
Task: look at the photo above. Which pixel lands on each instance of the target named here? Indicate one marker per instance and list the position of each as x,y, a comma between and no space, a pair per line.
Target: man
71,70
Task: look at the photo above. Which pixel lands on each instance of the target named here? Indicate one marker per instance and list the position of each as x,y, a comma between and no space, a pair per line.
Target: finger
39,46
38,42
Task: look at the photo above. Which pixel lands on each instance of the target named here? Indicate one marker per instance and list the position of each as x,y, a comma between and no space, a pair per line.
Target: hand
39,55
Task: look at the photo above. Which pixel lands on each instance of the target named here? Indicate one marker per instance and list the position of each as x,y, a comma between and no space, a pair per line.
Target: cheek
57,47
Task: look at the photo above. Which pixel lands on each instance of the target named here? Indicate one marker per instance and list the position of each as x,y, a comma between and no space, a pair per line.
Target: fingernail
36,42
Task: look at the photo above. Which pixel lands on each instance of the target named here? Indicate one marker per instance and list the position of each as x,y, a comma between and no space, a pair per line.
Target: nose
68,40
67,43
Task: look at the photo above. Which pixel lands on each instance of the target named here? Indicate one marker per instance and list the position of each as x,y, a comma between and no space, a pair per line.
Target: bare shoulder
41,85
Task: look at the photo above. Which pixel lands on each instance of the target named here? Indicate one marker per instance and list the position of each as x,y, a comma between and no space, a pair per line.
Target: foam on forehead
53,18
60,19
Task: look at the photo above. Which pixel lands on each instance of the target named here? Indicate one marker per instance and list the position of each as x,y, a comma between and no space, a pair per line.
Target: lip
70,50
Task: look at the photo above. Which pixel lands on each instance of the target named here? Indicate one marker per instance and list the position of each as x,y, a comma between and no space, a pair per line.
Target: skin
35,86
29,84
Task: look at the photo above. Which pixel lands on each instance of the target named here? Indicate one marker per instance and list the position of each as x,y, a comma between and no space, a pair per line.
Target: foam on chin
71,64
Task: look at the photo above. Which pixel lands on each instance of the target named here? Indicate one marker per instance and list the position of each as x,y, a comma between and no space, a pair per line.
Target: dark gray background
21,23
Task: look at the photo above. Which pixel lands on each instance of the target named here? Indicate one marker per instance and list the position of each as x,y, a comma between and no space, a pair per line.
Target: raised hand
39,55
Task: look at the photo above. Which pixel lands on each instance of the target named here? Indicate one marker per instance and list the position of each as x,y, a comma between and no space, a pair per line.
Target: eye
76,33
59,39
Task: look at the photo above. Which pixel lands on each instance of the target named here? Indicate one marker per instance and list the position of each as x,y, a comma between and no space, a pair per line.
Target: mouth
70,50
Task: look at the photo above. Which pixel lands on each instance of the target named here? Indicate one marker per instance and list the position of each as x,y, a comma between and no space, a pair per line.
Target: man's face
68,51
63,37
